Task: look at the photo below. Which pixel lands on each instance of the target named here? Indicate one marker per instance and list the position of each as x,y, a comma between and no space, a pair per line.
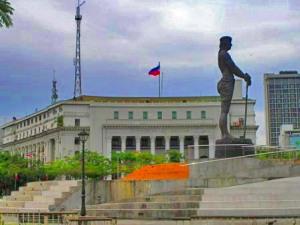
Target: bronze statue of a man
226,84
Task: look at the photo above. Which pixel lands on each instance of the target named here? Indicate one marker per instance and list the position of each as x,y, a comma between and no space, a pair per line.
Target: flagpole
159,81
159,86
162,82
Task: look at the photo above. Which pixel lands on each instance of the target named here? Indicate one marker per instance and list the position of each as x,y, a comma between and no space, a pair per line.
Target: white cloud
197,17
179,33
261,133
46,14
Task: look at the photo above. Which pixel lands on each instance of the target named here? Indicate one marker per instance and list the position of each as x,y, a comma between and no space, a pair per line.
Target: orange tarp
167,171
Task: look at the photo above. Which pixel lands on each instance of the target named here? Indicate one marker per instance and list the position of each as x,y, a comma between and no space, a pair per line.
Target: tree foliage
174,156
127,162
6,11
96,166
16,171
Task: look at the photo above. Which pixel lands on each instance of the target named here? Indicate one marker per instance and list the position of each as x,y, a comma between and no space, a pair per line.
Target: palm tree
6,11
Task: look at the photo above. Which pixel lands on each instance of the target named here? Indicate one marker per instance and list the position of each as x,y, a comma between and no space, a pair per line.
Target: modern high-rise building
282,103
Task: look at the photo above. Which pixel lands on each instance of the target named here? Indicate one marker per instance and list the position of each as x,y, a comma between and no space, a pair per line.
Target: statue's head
225,42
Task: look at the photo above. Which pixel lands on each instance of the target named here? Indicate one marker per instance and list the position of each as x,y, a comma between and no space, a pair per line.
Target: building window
188,115
116,143
36,119
203,114
159,115
130,143
145,115
77,122
116,115
130,115
76,141
174,115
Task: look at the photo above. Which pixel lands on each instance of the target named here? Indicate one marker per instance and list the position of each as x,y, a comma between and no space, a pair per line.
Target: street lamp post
83,136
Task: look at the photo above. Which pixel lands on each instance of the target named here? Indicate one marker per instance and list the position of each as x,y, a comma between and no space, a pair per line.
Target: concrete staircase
275,198
279,197
38,196
177,204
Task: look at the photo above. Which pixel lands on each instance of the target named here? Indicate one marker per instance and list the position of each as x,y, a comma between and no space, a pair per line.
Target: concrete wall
220,173
115,191
239,171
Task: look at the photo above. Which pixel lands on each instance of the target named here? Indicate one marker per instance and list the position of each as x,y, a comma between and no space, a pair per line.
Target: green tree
127,162
96,166
6,11
15,165
174,156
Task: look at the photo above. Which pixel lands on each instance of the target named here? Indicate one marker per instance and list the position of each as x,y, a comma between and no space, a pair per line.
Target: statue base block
233,147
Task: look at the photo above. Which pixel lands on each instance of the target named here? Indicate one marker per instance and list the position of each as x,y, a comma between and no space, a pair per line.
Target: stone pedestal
226,148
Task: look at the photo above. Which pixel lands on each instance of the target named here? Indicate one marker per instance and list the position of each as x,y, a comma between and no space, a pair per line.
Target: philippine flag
155,71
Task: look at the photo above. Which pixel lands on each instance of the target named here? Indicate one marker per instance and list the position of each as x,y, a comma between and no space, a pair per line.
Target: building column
167,141
196,147
152,145
211,148
138,143
123,143
43,158
181,144
37,152
108,149
47,151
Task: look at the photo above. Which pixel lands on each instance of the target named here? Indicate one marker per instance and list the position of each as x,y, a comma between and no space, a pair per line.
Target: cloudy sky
123,39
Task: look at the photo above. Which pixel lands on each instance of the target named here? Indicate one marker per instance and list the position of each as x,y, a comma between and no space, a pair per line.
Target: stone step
249,212
12,204
187,191
18,198
147,205
250,204
33,188
41,198
143,213
26,193
38,205
66,188
69,182
249,197
54,194
41,183
270,192
166,198
250,190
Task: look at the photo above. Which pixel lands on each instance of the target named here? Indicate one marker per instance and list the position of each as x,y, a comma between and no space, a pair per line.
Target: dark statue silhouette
225,89
226,84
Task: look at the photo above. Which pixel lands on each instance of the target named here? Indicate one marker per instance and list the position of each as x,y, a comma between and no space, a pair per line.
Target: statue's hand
247,78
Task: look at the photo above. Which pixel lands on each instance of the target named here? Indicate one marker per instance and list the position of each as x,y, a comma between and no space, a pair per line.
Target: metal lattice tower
54,96
77,61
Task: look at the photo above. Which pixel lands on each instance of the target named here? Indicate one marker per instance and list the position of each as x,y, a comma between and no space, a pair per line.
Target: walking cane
245,120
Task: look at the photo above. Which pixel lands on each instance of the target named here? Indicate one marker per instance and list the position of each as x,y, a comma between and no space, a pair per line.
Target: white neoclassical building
126,124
